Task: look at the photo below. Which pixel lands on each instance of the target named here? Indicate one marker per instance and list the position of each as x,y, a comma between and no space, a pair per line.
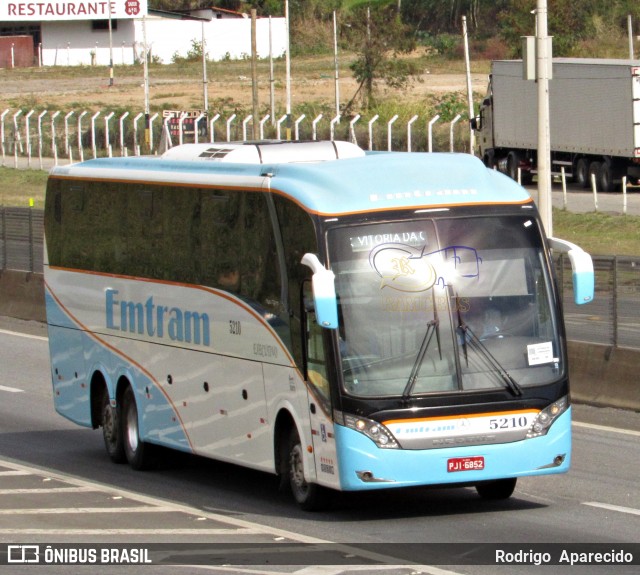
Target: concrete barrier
600,375
22,295
604,375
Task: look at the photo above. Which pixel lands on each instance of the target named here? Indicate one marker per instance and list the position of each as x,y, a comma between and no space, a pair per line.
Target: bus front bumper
364,466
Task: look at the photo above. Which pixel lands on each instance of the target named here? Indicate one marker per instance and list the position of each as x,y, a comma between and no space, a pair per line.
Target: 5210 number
235,327
507,422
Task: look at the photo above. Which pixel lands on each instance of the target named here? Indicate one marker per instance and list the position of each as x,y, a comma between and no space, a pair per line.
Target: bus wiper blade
474,343
432,328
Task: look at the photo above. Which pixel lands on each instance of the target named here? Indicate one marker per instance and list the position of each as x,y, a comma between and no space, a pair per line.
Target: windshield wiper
433,327
473,341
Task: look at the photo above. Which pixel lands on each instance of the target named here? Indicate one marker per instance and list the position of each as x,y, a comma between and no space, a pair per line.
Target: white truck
594,121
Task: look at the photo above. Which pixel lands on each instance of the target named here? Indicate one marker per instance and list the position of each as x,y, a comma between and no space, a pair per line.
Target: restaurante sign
72,10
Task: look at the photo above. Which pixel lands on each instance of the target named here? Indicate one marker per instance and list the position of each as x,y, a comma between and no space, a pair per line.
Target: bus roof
359,183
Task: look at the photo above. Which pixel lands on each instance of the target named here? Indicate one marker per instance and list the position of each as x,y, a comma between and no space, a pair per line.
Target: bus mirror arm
581,267
324,292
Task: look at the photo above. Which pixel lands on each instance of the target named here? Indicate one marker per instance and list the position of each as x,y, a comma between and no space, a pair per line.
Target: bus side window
316,365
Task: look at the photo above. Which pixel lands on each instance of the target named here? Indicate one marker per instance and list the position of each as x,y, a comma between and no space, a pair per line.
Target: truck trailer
594,109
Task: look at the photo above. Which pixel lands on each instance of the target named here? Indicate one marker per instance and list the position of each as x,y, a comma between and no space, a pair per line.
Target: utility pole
543,68
110,46
254,73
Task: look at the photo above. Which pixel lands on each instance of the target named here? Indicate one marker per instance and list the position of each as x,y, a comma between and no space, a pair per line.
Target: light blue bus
345,320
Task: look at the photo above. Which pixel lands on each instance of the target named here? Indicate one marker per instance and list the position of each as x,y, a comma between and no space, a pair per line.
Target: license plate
465,464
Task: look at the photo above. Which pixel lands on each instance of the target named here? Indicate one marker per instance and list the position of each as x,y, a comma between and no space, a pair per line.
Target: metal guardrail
613,318
21,239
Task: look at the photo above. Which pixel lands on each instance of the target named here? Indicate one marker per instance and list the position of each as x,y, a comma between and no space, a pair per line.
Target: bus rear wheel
308,496
499,489
139,454
112,430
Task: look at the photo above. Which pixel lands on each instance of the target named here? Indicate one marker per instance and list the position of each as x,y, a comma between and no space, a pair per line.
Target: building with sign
84,32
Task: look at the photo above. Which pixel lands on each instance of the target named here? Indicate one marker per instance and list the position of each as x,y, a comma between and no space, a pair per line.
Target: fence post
430,139
93,134
229,120
80,150
54,144
27,136
297,126
107,140
332,129
314,134
196,124
212,133
352,130
279,124
453,123
16,138
2,132
136,146
389,125
151,120
244,126
409,125
67,149
371,123
42,115
262,123
123,150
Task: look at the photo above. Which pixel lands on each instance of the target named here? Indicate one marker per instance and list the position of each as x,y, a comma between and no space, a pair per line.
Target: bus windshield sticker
540,353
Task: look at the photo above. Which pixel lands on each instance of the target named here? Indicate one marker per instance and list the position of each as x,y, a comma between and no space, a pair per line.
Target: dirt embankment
91,90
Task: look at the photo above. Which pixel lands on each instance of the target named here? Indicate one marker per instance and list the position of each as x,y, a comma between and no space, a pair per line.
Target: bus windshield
443,305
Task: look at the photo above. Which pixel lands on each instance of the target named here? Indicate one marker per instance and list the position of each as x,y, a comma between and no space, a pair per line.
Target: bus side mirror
582,269
324,292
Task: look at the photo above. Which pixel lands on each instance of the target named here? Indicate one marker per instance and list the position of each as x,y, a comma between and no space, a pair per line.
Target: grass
597,233
18,187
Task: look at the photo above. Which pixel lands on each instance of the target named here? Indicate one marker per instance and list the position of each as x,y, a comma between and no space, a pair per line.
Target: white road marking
25,335
606,428
618,508
11,389
80,510
79,489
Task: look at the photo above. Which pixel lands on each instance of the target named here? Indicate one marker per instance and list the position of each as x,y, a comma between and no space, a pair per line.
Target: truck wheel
594,170
581,176
605,178
513,163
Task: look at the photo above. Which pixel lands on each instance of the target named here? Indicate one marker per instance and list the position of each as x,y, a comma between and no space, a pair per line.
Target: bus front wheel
139,453
308,496
499,489
112,430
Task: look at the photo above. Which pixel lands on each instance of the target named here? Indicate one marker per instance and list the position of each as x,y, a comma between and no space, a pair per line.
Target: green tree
377,35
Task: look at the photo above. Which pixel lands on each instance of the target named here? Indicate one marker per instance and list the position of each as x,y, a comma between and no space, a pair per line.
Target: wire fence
613,318
79,135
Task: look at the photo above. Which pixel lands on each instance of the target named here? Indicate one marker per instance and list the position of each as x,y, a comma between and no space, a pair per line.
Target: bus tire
498,489
112,430
308,496
139,453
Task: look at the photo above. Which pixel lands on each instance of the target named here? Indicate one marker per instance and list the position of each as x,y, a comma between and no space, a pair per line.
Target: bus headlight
547,416
375,431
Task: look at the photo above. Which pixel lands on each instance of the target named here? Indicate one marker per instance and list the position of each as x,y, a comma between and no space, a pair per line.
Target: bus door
319,397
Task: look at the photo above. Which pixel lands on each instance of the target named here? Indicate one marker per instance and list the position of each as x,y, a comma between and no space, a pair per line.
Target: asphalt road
57,485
